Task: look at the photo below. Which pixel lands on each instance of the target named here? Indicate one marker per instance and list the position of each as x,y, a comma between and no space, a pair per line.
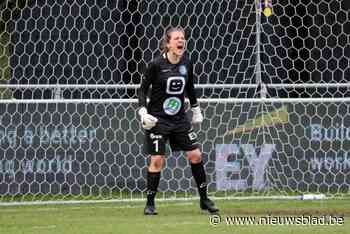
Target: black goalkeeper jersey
169,83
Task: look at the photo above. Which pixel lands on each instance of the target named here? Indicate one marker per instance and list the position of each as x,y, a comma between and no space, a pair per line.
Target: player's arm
148,121
191,94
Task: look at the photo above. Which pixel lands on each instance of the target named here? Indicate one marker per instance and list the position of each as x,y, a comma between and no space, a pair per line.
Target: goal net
273,90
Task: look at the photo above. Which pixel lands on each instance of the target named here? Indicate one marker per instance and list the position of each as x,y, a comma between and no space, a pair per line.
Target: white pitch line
95,207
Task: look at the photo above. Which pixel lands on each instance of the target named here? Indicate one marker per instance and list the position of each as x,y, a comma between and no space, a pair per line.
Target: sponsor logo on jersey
183,70
172,105
175,85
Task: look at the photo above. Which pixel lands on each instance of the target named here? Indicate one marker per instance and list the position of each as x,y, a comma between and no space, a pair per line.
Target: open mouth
180,47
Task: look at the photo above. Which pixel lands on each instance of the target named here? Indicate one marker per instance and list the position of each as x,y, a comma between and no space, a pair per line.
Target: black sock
152,186
199,176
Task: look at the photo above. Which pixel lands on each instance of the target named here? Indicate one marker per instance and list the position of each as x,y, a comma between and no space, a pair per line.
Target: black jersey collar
165,56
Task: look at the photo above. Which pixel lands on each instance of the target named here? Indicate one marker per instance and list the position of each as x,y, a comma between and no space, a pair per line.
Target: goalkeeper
164,118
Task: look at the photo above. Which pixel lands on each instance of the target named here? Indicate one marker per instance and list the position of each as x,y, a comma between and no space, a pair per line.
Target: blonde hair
167,36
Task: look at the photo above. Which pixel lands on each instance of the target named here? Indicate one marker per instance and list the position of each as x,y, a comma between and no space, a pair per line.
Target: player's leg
198,172
186,140
199,175
155,145
153,177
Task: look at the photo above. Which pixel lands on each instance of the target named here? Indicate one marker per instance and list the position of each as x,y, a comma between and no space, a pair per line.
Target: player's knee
195,156
156,163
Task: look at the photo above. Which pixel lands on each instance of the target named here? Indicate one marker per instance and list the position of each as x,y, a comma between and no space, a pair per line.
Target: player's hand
148,121
197,115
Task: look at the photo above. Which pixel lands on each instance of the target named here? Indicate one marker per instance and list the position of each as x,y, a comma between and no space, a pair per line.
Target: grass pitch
174,217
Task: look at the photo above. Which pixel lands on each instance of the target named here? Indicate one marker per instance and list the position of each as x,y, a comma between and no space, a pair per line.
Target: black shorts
180,134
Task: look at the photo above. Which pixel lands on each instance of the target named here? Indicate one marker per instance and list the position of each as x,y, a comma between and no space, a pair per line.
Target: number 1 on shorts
156,145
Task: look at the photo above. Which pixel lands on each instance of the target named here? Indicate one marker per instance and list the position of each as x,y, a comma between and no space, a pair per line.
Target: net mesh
306,42
99,49
108,42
